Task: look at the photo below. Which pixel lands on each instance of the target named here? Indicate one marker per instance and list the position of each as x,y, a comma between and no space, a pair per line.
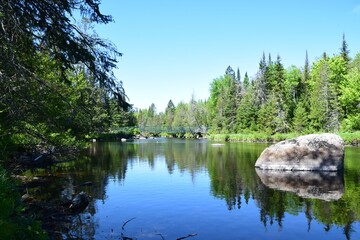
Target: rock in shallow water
314,152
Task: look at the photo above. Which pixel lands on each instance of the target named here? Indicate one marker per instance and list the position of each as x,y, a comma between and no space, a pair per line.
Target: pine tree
238,76
306,69
246,112
238,88
270,61
344,50
231,100
246,82
262,64
300,120
320,95
260,83
230,72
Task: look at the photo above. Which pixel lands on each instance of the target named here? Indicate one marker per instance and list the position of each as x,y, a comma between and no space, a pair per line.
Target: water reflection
326,186
319,200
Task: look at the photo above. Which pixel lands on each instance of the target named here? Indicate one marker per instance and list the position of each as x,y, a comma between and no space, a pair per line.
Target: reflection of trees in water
231,171
232,176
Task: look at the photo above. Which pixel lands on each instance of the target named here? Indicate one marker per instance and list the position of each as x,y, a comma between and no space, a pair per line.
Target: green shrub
12,224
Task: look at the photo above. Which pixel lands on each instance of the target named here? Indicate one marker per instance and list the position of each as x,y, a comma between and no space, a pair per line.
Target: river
195,189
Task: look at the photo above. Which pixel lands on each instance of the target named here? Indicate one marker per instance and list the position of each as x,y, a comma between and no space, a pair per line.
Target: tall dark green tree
230,72
260,84
344,51
246,81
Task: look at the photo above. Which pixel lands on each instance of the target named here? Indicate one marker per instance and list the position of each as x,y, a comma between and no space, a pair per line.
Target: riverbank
22,216
352,139
14,223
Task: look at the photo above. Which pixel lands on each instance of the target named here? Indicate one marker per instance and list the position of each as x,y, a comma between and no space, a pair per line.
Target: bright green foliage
181,116
322,98
169,114
247,112
350,100
292,89
300,120
319,99
338,71
267,116
356,62
223,103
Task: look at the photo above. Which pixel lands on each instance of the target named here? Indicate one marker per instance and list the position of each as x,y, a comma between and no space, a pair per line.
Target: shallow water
171,188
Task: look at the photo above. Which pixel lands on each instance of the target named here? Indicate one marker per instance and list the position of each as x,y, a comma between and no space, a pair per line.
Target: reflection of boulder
326,186
314,152
79,202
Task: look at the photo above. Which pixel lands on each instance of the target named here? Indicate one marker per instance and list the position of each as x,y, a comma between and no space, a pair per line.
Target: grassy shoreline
352,139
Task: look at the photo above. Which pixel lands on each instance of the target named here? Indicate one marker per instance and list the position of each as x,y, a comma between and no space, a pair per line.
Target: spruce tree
319,97
344,50
246,82
262,64
238,76
300,120
230,72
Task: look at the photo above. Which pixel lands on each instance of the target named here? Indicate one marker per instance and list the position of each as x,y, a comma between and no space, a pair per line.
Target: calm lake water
171,188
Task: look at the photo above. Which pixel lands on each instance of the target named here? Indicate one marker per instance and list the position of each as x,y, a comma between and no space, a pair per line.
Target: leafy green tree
324,111
350,100
181,117
169,114
54,75
292,89
223,102
356,62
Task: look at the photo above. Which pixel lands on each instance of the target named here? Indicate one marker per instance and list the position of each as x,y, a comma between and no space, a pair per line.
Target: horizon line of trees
322,96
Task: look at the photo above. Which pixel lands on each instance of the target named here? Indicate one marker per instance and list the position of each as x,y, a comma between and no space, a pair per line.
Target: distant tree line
322,97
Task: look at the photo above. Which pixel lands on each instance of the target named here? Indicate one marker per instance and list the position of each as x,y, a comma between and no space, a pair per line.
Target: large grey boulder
327,186
314,152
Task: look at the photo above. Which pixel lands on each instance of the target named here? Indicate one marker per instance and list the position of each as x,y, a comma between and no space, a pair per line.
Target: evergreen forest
323,96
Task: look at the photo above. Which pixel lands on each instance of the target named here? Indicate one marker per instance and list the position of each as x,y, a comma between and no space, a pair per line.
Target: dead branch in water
123,226
188,236
162,237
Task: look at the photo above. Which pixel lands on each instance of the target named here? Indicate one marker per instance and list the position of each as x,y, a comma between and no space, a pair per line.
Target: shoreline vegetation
352,139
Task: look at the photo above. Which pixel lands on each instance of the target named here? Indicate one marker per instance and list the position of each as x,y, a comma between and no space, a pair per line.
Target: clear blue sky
173,49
